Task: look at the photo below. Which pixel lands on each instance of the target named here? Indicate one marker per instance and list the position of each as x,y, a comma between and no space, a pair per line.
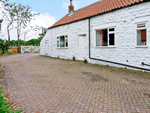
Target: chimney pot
71,7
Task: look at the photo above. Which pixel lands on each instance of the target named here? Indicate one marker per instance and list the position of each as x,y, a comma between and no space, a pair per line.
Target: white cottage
108,32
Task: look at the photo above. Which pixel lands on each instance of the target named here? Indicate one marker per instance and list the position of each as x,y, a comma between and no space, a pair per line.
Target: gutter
107,60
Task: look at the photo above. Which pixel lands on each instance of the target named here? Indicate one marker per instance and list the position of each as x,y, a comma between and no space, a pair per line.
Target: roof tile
95,9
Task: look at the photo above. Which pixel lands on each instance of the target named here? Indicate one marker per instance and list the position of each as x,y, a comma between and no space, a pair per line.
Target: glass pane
101,37
141,37
57,43
105,38
66,42
112,29
111,39
62,41
141,25
98,38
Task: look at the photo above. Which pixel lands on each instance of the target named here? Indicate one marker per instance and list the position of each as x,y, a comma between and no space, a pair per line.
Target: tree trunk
8,35
5,47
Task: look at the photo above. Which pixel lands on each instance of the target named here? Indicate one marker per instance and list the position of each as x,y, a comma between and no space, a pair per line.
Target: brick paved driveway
52,85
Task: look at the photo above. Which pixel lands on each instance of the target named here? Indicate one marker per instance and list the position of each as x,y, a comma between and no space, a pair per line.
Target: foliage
23,16
57,57
8,16
85,61
10,52
1,20
4,107
33,42
3,44
73,58
41,35
1,52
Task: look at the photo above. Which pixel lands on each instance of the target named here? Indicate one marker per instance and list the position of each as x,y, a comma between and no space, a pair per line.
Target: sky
50,12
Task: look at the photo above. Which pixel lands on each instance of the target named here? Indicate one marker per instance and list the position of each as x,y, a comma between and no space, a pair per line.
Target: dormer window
73,13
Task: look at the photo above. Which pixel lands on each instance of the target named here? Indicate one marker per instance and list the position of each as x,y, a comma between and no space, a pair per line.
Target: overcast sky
50,12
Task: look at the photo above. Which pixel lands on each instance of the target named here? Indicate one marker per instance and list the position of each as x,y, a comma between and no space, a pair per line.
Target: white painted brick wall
124,21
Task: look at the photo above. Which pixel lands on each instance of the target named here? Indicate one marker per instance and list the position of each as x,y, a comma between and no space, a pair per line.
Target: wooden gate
30,49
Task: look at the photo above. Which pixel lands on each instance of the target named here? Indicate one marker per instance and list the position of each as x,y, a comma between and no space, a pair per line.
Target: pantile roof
99,7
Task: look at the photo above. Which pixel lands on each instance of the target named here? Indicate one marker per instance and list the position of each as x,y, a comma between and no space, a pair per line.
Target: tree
8,16
23,16
41,35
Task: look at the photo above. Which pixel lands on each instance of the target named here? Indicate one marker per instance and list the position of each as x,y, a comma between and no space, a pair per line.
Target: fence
30,49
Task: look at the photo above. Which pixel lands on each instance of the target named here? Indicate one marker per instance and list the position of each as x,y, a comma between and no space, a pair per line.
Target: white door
46,47
82,47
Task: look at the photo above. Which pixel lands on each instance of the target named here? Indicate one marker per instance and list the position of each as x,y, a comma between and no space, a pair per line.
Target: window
141,34
105,37
62,41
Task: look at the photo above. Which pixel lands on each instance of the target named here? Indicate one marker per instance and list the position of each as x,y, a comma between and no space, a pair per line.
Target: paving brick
53,85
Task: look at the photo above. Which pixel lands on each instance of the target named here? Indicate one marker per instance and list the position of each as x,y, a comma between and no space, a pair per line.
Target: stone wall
125,51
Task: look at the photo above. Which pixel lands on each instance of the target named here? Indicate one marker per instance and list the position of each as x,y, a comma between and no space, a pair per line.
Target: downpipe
107,60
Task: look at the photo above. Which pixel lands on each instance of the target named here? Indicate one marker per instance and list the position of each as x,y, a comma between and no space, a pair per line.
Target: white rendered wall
125,21
73,31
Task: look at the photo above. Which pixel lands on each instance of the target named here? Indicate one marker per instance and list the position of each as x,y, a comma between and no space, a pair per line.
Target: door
46,47
82,47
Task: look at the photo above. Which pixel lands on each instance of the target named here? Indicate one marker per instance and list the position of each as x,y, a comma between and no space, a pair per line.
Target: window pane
141,25
98,38
62,41
66,42
101,37
111,29
57,43
141,37
111,39
105,38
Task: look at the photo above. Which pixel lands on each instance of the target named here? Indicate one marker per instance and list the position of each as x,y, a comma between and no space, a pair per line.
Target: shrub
73,58
85,60
1,52
4,107
57,57
10,52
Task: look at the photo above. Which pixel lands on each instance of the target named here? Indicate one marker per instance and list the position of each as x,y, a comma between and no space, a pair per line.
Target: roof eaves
141,1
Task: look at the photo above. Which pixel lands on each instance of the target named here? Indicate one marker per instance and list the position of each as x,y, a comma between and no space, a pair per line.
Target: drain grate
126,79
147,94
86,73
95,77
141,82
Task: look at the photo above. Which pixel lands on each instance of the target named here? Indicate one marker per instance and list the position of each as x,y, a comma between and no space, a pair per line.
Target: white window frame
109,32
142,28
66,37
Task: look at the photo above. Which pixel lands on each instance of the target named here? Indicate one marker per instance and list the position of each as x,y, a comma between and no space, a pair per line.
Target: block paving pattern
53,85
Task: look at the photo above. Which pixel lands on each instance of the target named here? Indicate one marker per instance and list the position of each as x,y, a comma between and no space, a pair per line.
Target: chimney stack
71,7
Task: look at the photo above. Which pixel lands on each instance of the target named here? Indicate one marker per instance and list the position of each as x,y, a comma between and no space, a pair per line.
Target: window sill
62,47
105,47
141,46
